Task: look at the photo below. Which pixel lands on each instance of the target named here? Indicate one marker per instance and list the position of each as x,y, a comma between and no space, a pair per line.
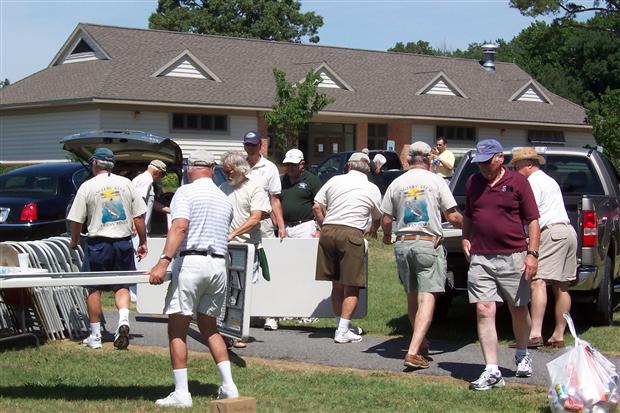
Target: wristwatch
533,253
165,257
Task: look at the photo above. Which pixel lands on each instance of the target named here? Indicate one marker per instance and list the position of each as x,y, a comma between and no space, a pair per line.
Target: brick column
401,133
361,135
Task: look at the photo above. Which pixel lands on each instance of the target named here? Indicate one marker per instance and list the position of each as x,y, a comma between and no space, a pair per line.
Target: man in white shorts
557,262
201,214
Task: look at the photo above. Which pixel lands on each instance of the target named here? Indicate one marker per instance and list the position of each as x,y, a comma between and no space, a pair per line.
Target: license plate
4,214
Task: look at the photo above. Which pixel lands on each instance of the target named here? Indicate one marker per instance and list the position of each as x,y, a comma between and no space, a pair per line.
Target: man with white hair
111,207
415,201
201,214
342,208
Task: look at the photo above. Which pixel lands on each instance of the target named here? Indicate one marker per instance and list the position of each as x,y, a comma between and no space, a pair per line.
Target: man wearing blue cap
501,261
111,207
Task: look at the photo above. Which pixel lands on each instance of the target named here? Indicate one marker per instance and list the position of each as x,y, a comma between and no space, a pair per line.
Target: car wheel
603,308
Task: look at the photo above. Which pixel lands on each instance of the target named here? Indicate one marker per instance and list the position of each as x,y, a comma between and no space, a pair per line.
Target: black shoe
121,338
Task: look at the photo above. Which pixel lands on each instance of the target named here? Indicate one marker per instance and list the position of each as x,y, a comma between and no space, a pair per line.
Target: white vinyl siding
185,68
530,95
578,138
35,137
80,57
441,88
424,133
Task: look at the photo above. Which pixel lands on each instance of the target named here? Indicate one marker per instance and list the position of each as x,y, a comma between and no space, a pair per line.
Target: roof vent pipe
488,56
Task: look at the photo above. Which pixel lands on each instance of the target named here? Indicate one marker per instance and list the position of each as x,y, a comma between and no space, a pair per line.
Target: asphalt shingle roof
384,83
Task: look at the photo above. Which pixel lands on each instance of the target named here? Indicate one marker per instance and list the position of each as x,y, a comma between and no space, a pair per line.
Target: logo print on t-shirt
112,207
415,208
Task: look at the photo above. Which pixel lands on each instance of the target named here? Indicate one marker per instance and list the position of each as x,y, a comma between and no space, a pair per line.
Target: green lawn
62,376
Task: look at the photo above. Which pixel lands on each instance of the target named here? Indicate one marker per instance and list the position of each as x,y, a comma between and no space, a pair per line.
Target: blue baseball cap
485,150
251,138
103,154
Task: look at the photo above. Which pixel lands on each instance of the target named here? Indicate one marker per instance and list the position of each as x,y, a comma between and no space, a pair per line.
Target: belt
295,223
415,237
197,252
551,225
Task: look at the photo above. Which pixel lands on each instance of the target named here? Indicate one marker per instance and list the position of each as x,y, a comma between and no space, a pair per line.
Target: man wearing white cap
144,185
342,208
415,200
201,214
267,175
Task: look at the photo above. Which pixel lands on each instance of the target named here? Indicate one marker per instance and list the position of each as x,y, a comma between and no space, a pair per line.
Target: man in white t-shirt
415,201
144,185
342,209
557,260
265,173
111,207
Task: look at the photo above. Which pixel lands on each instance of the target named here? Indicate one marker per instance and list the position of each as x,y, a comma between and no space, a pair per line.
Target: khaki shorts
340,256
498,277
558,254
421,266
198,285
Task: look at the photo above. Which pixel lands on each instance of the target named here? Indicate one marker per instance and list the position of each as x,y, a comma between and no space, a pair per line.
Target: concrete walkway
316,346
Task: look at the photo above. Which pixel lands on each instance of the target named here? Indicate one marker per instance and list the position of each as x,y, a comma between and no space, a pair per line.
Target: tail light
589,232
29,212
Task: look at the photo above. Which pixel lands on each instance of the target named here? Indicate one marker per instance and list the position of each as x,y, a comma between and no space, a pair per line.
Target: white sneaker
228,392
121,338
175,399
347,336
356,330
487,380
92,342
524,366
271,324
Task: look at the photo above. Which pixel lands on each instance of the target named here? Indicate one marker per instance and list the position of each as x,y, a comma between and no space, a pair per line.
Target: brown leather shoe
416,361
532,343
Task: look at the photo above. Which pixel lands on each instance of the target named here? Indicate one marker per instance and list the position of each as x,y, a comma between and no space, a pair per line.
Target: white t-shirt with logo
108,203
415,200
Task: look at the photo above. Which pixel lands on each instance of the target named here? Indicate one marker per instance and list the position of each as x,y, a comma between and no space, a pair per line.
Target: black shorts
108,254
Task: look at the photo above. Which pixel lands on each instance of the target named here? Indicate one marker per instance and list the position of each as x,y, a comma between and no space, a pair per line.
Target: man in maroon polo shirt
498,203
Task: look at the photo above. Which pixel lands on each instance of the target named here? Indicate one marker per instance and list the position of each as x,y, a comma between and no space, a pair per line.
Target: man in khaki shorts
342,209
415,200
502,262
557,263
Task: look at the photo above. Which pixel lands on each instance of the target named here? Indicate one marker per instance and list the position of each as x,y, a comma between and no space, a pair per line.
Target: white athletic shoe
347,336
228,392
524,366
271,324
356,330
92,342
175,399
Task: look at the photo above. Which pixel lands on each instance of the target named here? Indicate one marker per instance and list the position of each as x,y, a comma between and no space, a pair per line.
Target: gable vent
328,81
82,52
530,92
188,66
441,85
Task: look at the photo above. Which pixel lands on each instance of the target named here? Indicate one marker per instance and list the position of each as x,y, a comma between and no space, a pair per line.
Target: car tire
604,307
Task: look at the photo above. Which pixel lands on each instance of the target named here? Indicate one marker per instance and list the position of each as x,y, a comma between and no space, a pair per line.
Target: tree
294,107
604,115
4,83
419,47
262,19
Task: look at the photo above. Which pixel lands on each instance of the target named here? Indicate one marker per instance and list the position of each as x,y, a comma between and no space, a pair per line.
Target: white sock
95,329
180,380
344,324
492,368
520,353
123,316
225,373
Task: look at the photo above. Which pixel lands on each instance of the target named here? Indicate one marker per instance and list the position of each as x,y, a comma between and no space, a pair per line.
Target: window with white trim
459,133
198,121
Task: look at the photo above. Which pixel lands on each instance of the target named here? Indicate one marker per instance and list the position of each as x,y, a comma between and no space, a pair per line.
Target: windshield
30,183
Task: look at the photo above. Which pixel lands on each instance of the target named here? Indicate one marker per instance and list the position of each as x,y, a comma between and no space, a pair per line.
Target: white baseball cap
293,156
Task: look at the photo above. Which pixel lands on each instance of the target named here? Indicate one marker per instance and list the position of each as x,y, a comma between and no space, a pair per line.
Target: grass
62,376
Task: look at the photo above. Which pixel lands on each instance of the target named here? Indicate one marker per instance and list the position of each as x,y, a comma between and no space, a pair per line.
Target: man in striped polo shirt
201,214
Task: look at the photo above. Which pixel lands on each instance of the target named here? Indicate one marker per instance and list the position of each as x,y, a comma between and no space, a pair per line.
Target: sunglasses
250,144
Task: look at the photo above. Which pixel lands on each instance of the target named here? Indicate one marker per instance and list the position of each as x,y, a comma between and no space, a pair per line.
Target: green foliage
261,19
294,107
4,83
419,47
604,115
568,8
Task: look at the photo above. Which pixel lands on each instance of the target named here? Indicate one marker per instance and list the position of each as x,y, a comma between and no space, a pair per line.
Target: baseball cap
251,137
359,156
201,158
159,165
485,150
103,154
293,156
419,148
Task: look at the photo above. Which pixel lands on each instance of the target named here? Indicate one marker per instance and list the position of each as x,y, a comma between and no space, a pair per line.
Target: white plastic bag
582,379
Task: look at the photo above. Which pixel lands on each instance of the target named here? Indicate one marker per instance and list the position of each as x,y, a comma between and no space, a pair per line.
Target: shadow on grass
99,392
